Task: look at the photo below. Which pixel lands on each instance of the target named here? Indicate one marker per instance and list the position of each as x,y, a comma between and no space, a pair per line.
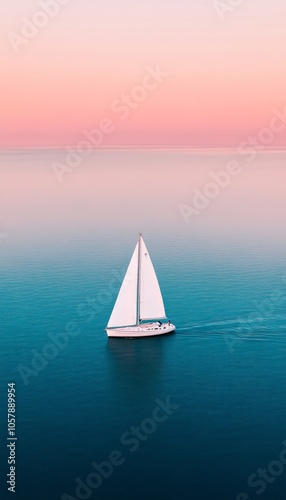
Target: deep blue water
224,371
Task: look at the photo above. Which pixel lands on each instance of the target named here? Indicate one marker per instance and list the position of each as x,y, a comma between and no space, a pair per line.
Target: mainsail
140,296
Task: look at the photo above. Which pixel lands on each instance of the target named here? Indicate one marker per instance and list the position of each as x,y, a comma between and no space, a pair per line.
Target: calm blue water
224,370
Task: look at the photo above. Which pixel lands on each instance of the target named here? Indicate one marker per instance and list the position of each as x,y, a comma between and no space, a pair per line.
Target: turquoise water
79,395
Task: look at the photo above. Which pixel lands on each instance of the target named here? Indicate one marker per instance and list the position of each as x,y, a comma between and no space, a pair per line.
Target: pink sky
225,76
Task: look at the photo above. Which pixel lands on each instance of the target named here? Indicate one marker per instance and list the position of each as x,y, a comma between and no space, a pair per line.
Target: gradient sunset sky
225,75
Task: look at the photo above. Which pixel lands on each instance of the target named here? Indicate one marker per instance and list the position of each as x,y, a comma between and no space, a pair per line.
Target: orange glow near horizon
224,77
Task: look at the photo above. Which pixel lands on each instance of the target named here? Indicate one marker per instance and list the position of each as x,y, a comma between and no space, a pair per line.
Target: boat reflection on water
138,363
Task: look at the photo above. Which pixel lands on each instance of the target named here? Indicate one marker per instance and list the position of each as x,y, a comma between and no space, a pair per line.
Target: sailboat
139,308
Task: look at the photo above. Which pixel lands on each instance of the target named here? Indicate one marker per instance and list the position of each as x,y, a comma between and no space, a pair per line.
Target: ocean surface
219,381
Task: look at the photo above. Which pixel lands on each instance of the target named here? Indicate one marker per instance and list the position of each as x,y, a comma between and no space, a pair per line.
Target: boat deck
144,330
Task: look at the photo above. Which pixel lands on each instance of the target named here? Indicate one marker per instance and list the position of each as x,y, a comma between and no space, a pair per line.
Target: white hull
145,330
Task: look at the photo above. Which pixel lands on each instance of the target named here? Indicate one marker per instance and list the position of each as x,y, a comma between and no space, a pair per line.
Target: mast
138,281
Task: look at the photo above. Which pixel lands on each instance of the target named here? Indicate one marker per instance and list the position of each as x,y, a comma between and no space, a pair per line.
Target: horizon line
137,148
